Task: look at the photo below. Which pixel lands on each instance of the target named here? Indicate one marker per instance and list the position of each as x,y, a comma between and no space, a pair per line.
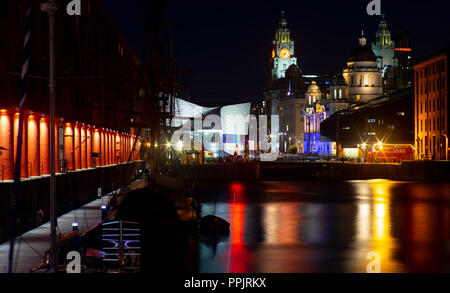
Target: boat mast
50,7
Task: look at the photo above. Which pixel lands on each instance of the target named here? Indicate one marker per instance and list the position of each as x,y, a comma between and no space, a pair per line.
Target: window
372,120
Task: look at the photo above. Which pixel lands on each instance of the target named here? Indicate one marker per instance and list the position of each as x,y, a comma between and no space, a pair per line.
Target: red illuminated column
69,145
102,146
24,157
77,146
138,146
107,147
139,149
116,147
6,142
124,146
112,150
83,147
120,147
135,147
33,145
111,147
57,157
96,145
89,146
127,150
44,146
129,146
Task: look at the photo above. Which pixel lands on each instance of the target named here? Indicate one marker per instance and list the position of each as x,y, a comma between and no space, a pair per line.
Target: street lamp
363,148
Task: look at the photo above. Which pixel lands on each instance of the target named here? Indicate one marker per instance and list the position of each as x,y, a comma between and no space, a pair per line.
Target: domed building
338,98
338,89
313,94
362,75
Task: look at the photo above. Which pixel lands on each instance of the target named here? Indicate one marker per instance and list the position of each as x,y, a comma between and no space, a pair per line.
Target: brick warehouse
97,72
76,145
96,85
431,106
97,78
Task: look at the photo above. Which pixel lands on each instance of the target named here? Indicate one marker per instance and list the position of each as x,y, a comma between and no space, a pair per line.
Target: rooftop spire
362,39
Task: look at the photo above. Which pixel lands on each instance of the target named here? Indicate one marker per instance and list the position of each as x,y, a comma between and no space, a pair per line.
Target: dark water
291,227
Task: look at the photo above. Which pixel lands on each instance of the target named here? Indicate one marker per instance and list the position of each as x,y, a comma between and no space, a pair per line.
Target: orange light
403,49
3,111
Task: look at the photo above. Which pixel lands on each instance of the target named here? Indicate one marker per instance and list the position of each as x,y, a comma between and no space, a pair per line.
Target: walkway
31,246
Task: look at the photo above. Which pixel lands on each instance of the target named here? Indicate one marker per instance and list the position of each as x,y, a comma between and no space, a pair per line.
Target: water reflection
317,227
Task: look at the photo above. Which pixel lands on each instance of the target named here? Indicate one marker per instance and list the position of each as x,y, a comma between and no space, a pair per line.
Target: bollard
74,226
104,212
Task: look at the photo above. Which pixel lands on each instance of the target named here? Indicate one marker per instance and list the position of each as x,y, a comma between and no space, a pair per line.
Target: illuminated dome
313,93
313,88
363,52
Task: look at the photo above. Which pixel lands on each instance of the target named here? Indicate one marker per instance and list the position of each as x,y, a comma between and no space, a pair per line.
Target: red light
403,49
236,187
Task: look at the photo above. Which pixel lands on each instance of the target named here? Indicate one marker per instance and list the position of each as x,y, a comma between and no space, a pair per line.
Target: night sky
227,44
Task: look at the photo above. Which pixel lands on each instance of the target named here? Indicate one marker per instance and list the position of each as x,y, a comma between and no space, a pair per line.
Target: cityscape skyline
221,76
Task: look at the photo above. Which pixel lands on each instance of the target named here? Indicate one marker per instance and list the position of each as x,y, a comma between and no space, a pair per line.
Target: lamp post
363,147
50,7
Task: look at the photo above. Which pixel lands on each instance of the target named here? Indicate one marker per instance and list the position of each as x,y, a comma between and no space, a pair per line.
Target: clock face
285,54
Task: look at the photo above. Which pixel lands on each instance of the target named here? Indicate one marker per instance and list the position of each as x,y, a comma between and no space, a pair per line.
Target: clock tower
283,50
